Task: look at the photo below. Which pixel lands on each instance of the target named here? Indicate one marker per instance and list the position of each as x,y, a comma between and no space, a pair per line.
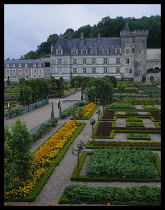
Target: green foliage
123,163
88,194
143,78
102,90
43,128
26,94
16,154
121,105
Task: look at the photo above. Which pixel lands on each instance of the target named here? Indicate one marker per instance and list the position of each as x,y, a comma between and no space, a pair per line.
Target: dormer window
105,51
59,50
20,65
7,65
26,65
93,51
117,50
74,51
34,64
84,52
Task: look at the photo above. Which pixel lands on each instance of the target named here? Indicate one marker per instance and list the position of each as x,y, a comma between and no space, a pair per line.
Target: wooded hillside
107,27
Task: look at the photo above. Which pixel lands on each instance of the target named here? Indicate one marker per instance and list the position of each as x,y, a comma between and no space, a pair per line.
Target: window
75,70
84,60
74,61
127,51
84,52
105,60
105,51
7,65
13,65
93,51
14,76
93,60
117,69
132,50
127,60
35,76
26,65
34,64
93,70
59,51
84,70
34,71
140,51
130,71
26,71
59,61
7,71
74,52
20,65
39,65
39,71
39,75
13,71
105,70
20,71
133,40
117,60
118,50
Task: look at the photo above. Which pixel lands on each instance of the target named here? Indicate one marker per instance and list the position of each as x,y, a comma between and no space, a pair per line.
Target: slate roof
30,63
67,45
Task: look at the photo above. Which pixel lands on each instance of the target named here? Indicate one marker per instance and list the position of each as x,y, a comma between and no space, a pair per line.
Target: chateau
125,57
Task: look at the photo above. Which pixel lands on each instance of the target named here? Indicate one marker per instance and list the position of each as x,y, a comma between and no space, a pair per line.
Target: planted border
43,180
75,177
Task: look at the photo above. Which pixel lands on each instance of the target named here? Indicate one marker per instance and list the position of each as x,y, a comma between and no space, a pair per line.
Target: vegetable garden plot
118,165
122,163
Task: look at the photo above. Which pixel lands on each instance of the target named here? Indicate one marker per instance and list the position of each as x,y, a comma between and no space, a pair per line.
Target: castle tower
133,49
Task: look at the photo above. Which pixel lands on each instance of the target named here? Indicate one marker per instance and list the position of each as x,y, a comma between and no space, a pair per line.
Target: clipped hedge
122,144
138,136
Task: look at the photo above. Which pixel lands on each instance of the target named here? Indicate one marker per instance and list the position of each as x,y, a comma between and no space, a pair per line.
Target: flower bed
86,112
43,158
142,101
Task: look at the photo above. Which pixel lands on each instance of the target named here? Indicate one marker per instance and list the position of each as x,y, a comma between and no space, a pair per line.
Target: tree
151,79
143,79
17,156
103,90
91,93
9,167
113,80
26,94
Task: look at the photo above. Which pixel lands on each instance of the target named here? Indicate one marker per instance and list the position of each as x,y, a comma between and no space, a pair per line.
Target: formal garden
123,145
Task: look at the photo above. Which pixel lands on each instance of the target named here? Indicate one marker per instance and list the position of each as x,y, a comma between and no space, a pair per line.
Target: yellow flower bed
71,89
43,157
141,100
87,109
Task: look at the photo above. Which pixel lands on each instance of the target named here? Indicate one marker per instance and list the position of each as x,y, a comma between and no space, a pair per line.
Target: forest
107,27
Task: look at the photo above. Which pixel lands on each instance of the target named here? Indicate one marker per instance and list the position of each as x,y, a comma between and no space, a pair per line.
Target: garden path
40,115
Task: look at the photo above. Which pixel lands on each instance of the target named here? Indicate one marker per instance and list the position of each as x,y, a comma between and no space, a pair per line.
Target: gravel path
60,177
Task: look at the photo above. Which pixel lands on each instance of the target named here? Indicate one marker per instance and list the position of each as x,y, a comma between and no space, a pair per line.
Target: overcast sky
27,25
